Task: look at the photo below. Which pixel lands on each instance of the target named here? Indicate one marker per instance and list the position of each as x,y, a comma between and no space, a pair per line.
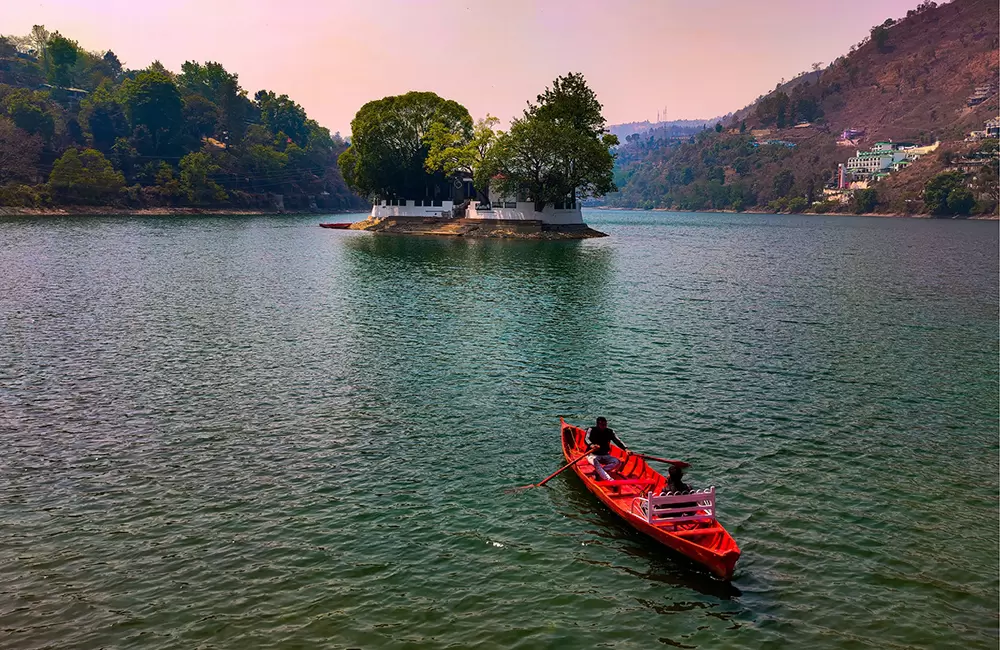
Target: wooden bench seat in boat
677,507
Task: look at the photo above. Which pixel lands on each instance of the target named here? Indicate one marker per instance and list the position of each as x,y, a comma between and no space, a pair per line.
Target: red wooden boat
340,226
685,522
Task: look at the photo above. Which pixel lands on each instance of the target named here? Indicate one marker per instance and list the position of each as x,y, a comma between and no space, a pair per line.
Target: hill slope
910,81
77,128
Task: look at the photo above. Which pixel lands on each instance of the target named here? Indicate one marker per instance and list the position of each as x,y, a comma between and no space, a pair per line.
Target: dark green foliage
30,112
201,120
961,201
212,82
153,101
174,139
196,182
570,102
388,148
797,205
85,177
783,183
880,35
60,55
282,115
938,190
773,109
103,118
864,201
114,66
558,150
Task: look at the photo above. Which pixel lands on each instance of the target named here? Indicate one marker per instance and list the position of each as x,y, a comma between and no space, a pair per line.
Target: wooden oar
679,463
553,474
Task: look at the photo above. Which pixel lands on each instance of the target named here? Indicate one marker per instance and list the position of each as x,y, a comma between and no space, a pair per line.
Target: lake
254,432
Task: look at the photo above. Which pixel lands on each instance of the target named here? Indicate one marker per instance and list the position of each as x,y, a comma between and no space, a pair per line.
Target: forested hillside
77,128
910,80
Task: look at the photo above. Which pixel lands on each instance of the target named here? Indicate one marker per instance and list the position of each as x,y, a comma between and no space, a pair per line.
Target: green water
250,433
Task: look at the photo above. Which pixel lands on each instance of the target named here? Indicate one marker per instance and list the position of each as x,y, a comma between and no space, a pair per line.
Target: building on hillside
885,157
72,93
981,94
993,128
780,143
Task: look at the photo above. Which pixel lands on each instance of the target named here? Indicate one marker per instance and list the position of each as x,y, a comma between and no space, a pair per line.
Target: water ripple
256,433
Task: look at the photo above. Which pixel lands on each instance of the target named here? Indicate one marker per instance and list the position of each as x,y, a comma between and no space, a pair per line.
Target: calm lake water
250,433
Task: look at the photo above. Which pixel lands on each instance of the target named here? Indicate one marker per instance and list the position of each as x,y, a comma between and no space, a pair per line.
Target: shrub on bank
20,196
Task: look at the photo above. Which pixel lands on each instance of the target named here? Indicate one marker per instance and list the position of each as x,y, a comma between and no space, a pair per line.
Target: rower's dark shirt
602,438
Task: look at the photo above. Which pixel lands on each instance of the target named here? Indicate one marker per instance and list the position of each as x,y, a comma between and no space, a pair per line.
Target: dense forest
77,128
909,80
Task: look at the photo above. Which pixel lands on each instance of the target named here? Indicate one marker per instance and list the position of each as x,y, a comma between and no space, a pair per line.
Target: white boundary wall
380,210
525,211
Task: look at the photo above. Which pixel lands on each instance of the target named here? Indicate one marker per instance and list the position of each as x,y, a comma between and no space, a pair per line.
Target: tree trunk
540,205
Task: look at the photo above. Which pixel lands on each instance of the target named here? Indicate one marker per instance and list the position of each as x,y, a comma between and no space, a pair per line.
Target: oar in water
552,475
678,463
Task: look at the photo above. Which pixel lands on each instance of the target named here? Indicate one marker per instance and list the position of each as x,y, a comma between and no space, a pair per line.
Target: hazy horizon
689,60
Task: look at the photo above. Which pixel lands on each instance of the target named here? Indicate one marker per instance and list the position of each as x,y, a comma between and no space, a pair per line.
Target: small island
428,169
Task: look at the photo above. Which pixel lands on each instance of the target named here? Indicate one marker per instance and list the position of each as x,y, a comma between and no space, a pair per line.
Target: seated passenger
676,485
600,437
674,482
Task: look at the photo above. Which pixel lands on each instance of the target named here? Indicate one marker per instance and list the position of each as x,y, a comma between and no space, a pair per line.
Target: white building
885,157
499,208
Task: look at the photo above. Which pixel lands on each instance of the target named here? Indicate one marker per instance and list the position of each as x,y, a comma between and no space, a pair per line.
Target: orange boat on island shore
684,522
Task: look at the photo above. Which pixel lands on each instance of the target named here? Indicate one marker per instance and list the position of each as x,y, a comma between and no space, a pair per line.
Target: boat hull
705,543
339,226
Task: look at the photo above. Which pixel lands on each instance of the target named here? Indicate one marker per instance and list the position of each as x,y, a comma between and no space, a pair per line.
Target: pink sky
699,58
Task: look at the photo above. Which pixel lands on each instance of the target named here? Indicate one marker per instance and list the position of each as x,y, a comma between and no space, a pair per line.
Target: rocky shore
476,228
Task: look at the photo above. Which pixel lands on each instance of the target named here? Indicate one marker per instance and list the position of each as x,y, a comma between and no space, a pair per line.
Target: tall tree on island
559,149
389,143
450,152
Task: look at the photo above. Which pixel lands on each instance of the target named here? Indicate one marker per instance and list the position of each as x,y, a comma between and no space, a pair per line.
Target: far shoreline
111,211
882,215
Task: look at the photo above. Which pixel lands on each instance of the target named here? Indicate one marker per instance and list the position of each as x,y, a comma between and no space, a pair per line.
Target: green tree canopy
450,152
85,177
938,189
212,82
153,101
389,144
196,170
281,115
30,111
61,54
103,118
864,201
559,149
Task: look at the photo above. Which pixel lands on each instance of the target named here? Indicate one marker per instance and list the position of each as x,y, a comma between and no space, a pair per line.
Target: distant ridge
631,128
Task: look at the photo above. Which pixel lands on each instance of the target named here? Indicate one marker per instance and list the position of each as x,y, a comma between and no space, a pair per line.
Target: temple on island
454,208
457,199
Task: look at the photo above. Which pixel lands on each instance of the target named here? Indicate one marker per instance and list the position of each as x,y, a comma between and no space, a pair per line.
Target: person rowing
599,437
